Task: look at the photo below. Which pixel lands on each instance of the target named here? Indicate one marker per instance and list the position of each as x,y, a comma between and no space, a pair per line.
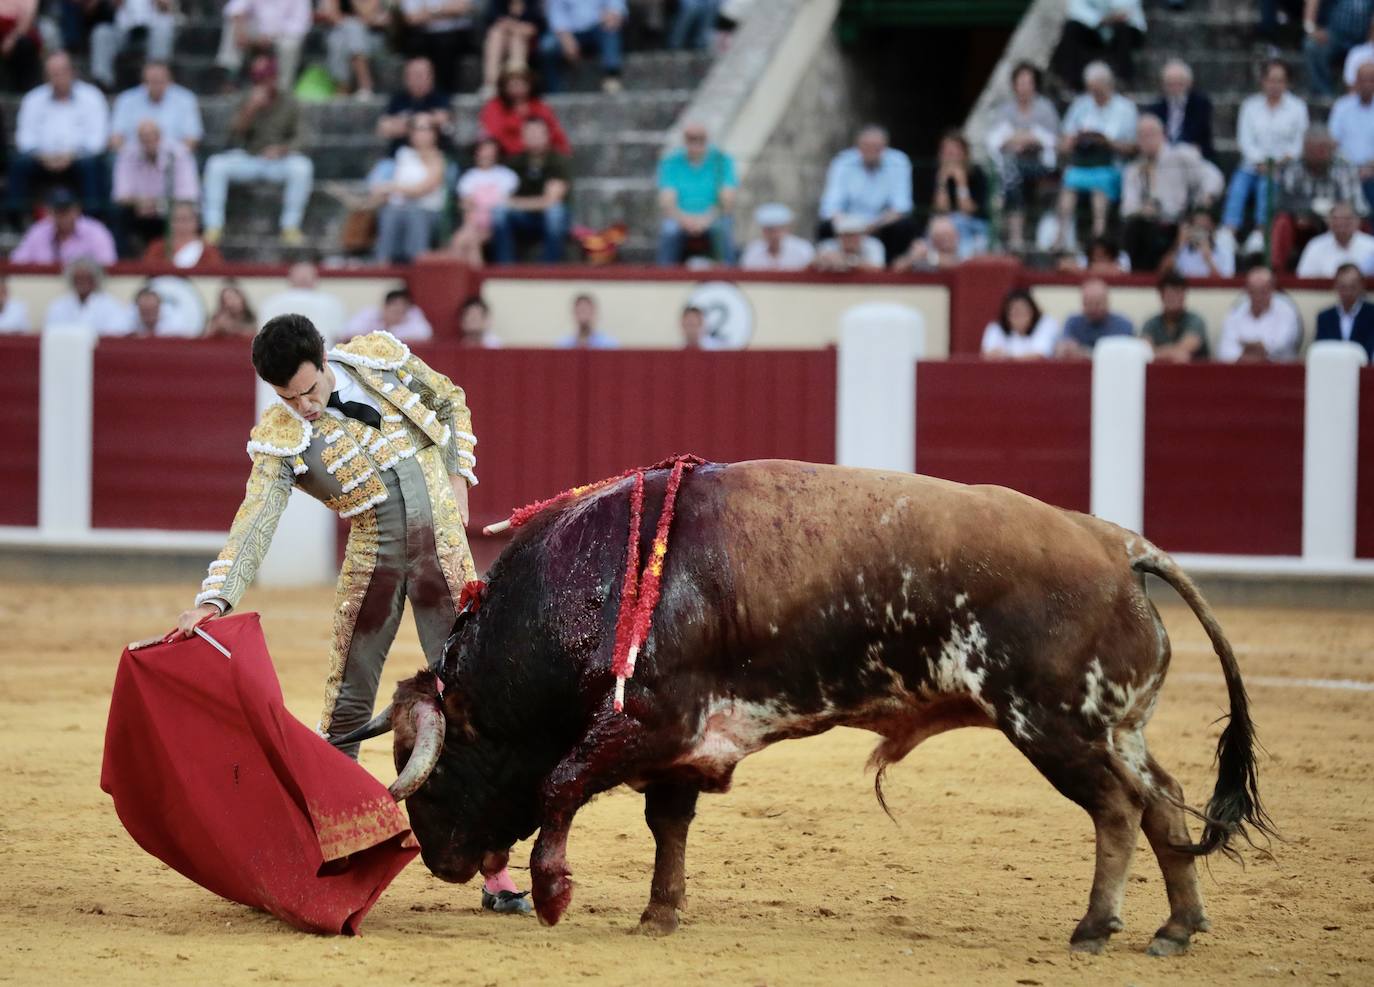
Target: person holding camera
1198,252
1157,189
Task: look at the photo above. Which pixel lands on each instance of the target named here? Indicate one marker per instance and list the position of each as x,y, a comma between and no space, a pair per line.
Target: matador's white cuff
468,475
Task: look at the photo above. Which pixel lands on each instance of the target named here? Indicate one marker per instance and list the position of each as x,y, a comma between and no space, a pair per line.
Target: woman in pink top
484,188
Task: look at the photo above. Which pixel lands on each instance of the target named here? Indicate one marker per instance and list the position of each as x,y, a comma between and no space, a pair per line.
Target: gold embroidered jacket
339,461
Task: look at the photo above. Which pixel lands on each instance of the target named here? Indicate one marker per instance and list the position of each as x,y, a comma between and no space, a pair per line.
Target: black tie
356,410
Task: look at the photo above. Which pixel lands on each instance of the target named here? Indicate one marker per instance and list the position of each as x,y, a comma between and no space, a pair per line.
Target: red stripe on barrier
1364,490
1019,425
19,355
171,421
1223,458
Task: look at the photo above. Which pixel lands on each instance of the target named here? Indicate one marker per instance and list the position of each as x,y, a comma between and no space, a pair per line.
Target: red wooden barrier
1020,425
1364,490
1223,458
19,425
171,421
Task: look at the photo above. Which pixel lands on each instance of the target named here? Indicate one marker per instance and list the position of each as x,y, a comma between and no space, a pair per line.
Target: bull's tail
1235,801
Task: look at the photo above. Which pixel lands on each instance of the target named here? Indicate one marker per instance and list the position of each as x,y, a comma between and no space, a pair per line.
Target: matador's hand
191,619
460,496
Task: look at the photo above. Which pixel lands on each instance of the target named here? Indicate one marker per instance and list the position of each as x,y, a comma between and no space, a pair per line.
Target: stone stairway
616,139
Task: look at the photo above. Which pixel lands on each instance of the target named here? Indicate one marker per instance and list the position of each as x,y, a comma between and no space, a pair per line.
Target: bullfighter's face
308,390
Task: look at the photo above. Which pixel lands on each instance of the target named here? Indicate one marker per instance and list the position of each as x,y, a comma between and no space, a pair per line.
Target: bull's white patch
731,729
951,672
896,508
959,600
1129,747
1016,715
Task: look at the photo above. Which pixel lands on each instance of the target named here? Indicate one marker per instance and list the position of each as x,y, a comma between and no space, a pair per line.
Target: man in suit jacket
1350,318
1185,112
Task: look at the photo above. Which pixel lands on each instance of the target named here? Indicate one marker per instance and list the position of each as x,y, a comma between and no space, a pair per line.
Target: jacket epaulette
280,432
376,351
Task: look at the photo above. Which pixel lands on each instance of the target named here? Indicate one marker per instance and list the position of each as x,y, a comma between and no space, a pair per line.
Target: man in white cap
777,247
851,248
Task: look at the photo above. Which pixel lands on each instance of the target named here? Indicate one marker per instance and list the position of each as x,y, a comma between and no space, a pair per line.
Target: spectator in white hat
852,248
777,247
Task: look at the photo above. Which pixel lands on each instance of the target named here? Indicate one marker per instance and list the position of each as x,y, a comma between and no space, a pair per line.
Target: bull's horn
429,744
375,727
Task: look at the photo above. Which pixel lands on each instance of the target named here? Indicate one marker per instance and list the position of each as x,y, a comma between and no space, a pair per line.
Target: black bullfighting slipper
507,902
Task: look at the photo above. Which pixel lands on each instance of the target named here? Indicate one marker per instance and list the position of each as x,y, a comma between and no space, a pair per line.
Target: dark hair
507,75
232,284
486,139
1034,70
147,289
693,308
1275,63
474,301
958,137
394,294
1106,243
283,344
1018,295
1171,279
1349,267
583,297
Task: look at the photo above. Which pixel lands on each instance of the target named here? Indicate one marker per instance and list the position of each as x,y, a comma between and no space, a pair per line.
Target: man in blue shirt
696,193
1097,321
578,28
870,181
173,108
1333,27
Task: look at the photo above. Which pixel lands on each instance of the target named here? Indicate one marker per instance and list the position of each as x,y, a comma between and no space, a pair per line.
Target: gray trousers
406,567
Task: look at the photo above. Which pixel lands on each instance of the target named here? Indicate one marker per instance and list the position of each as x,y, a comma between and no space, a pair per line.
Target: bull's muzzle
427,725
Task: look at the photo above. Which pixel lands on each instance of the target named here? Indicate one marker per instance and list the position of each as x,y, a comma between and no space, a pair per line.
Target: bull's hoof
1160,946
1093,947
658,921
551,901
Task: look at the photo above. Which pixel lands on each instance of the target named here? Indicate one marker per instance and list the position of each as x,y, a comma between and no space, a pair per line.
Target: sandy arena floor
794,877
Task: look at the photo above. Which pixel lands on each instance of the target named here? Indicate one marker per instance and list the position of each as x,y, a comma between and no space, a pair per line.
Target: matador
386,442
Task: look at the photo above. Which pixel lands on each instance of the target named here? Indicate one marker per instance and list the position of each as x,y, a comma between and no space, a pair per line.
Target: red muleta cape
211,775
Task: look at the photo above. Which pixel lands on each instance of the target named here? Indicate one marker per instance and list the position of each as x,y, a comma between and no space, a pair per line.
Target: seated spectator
183,246
413,199
578,28
960,191
504,115
416,95
513,29
1185,112
60,138
1352,125
1343,243
942,247
474,325
484,188
870,182
355,34
1358,56
1333,28
1022,331
1261,328
1022,140
149,175
1097,321
150,319
398,314
1198,252
1158,188
87,305
304,297
173,108
695,335
1350,319
538,209
1109,30
264,131
852,248
14,313
586,335
155,19
777,248
20,44
65,235
442,31
1177,334
233,317
693,24
256,27
1270,133
1099,131
1308,188
696,194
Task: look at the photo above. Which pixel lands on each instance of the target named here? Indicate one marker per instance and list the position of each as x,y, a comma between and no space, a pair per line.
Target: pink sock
500,882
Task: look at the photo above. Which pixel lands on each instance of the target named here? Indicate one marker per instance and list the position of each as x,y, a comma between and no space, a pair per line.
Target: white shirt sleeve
1045,334
1228,346
994,340
95,119
28,131
1310,264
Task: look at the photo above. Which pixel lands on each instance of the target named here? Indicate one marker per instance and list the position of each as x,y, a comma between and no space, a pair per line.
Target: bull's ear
456,714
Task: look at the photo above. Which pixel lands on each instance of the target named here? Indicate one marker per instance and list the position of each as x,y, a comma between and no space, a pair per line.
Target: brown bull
797,598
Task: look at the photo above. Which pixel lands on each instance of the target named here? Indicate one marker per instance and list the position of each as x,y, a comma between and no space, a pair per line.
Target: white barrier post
304,547
875,423
1118,430
1330,450
65,404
